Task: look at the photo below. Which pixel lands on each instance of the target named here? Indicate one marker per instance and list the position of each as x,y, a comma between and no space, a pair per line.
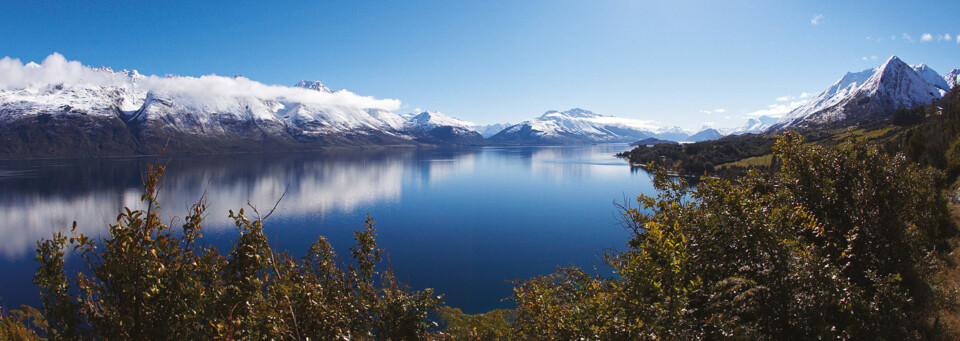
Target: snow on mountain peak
313,85
870,92
931,76
581,126
952,78
575,112
429,120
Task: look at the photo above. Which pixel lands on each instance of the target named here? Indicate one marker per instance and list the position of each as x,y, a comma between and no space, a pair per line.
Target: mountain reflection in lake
463,221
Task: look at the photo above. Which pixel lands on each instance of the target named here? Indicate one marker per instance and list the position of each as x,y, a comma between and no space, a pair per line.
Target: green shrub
146,281
841,242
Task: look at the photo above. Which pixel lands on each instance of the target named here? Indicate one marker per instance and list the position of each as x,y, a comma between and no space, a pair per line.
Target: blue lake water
462,221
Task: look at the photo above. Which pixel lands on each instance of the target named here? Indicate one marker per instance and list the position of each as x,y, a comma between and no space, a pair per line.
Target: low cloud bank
56,69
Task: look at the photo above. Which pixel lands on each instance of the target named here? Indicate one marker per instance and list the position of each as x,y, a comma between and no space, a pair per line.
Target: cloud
718,111
868,58
783,106
56,69
945,36
958,39
926,37
906,37
776,110
816,19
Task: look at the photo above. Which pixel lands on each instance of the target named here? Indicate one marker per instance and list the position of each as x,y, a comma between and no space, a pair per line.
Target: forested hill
924,134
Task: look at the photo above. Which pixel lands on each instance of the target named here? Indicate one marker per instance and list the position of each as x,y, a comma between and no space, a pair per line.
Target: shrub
146,281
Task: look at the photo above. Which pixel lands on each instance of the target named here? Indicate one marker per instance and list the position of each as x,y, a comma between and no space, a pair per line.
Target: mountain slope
866,95
62,108
952,78
437,128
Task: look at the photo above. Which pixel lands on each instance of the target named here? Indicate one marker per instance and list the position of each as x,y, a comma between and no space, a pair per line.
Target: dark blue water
464,222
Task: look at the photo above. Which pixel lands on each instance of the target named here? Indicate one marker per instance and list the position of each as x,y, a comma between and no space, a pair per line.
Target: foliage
700,157
841,242
492,325
934,142
21,324
147,281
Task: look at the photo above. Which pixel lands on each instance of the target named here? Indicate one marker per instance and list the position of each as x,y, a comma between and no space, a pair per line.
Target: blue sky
674,62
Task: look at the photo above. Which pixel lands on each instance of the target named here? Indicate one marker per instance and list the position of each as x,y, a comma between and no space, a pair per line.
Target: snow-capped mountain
868,94
61,107
931,76
582,126
313,85
952,78
491,129
754,125
706,134
429,120
435,127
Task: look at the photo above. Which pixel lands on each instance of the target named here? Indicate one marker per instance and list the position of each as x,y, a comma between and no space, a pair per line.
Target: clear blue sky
494,61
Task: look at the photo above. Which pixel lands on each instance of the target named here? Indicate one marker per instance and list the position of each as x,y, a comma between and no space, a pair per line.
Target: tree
840,242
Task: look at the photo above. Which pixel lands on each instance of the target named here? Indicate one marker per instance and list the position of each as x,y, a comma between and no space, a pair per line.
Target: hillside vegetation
841,241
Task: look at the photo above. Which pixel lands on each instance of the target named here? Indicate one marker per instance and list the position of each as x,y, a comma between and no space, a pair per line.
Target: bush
839,243
145,281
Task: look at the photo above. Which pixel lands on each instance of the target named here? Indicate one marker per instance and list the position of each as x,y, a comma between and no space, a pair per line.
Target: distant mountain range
62,108
582,126
870,94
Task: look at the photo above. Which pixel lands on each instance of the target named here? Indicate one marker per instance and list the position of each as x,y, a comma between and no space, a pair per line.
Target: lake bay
463,221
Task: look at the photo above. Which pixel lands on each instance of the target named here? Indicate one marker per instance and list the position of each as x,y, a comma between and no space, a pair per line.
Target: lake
463,221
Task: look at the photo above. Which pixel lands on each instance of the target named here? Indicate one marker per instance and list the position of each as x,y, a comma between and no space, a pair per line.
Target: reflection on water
52,196
462,221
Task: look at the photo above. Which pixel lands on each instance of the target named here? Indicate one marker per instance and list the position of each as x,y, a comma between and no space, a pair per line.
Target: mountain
492,129
577,126
705,135
931,76
866,95
952,78
754,125
430,120
652,141
62,108
437,128
313,85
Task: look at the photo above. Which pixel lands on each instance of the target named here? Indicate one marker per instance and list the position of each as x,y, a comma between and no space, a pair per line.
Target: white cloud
776,110
926,37
718,111
868,58
785,105
816,19
958,39
56,69
906,37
